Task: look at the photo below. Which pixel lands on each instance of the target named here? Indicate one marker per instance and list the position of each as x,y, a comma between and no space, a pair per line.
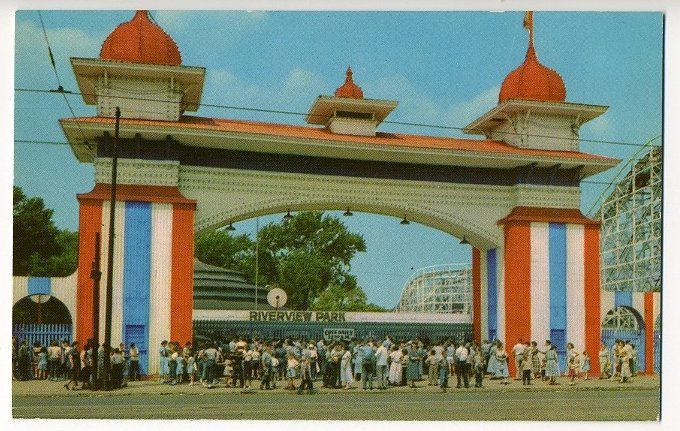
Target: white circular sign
277,297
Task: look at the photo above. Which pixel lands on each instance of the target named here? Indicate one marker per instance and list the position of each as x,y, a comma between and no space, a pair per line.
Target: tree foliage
339,298
305,256
39,247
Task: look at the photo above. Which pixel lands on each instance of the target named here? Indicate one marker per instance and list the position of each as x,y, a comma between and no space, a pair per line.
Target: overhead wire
305,114
60,88
64,143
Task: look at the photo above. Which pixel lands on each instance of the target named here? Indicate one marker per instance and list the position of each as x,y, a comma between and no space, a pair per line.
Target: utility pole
109,264
95,275
257,256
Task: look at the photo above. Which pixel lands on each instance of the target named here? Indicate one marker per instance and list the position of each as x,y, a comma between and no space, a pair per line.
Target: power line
60,88
304,114
63,143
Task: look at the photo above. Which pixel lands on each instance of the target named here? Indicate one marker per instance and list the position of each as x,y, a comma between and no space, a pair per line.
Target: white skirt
395,373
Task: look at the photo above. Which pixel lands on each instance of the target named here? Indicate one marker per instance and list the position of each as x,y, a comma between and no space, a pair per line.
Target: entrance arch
228,195
41,318
513,194
625,323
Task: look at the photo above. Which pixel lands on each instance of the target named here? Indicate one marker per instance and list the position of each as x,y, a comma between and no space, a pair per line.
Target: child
433,367
585,365
572,365
478,368
191,369
306,376
42,363
291,372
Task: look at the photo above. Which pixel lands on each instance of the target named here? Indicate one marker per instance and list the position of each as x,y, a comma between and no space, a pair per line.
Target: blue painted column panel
623,299
39,286
492,292
557,250
137,278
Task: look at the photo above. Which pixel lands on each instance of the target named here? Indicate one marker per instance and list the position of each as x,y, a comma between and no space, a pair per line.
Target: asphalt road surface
641,404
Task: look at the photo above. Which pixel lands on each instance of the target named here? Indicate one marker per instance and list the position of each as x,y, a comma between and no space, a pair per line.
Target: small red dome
141,41
349,88
533,81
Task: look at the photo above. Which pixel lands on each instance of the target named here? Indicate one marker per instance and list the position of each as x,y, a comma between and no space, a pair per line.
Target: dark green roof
218,288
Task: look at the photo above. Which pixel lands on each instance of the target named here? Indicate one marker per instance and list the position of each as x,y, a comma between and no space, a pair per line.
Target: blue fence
637,338
42,333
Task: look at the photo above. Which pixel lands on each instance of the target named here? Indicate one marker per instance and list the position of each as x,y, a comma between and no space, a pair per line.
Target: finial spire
348,75
529,25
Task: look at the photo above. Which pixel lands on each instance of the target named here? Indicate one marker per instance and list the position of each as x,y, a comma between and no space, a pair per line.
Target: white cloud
297,91
415,105
222,26
33,68
294,93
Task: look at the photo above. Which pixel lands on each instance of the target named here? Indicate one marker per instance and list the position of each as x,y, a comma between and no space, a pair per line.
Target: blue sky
442,67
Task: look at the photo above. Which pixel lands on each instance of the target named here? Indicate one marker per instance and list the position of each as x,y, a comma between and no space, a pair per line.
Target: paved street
593,400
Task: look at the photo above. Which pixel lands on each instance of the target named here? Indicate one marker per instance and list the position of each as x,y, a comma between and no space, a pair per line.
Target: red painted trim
90,222
649,333
591,260
517,284
548,215
476,296
182,279
139,193
286,130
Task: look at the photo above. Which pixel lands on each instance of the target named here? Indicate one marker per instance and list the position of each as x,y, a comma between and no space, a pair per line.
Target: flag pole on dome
529,25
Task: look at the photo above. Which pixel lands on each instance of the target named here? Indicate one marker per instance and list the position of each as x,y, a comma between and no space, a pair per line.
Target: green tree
307,254
35,235
221,249
59,265
338,298
304,255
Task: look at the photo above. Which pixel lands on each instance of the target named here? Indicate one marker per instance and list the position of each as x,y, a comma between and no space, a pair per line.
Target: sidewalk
52,389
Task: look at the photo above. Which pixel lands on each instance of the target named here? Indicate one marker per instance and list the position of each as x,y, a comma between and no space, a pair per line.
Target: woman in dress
358,356
413,365
346,376
551,370
603,355
492,366
395,366
625,366
164,367
585,364
536,360
501,363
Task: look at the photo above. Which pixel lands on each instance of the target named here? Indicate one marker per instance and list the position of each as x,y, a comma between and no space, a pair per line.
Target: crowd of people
299,364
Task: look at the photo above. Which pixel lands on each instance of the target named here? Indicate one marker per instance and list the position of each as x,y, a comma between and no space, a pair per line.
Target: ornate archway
514,195
625,323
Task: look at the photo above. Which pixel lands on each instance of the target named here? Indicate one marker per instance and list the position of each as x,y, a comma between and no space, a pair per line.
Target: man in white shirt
461,356
518,351
381,365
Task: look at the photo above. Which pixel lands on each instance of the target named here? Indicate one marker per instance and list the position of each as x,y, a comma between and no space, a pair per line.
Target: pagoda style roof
319,141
